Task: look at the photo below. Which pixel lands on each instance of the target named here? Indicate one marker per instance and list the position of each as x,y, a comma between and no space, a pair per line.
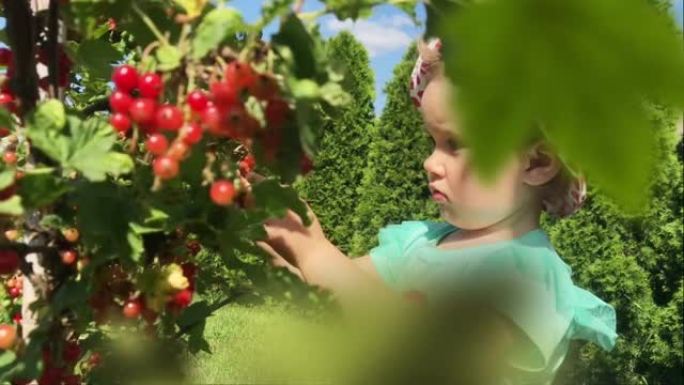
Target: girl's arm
321,263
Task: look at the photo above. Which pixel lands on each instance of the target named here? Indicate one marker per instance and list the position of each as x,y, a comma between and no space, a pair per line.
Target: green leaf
272,9
334,95
7,358
136,232
11,206
195,313
40,188
276,199
71,294
45,127
135,241
345,9
196,340
6,178
6,119
50,115
97,55
216,26
90,150
104,213
168,58
294,36
193,8
305,89
583,71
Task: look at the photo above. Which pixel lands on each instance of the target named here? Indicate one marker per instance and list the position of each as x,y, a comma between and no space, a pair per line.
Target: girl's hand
288,237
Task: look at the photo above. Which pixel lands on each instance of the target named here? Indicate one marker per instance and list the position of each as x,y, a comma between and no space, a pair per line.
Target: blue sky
386,34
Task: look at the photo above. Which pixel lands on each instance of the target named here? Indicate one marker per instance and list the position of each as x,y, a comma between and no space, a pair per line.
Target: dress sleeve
541,300
391,256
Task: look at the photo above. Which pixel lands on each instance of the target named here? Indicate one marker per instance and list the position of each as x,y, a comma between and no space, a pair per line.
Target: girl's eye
453,144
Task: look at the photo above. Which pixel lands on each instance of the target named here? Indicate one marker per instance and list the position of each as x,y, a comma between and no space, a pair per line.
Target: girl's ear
541,165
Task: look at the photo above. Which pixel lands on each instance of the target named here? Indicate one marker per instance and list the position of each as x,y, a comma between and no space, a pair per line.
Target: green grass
233,335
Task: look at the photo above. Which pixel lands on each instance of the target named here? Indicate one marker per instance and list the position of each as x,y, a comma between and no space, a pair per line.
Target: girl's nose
433,166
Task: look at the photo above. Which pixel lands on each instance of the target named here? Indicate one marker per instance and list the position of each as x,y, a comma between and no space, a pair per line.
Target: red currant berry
5,56
120,122
165,167
8,336
132,309
276,113
192,133
71,234
224,94
6,100
17,318
9,261
15,292
239,75
71,352
212,118
178,150
236,122
222,192
197,100
4,131
72,379
305,164
125,78
264,87
68,257
157,144
9,157
150,85
247,164
120,101
95,359
169,118
183,298
143,110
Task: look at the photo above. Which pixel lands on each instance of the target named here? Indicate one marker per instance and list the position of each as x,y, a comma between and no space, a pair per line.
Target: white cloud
379,36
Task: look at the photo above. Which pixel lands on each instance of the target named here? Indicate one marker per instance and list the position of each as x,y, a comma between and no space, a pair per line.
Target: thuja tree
394,185
636,264
332,189
127,129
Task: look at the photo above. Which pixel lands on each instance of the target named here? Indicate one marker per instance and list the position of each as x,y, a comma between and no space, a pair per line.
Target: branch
23,249
20,31
99,104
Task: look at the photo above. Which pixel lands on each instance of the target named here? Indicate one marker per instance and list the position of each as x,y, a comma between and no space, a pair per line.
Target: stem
150,24
53,48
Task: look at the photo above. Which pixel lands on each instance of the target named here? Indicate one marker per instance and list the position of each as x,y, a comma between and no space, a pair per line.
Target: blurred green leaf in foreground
585,71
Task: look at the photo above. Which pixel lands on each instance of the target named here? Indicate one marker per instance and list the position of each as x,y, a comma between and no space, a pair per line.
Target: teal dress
555,310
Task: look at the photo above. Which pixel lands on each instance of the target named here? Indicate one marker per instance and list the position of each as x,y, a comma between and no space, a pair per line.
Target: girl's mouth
439,197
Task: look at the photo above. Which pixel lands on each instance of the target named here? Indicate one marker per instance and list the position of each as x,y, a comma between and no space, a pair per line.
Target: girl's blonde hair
553,191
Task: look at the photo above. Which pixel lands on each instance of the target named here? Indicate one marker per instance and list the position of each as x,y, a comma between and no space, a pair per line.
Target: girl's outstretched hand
288,237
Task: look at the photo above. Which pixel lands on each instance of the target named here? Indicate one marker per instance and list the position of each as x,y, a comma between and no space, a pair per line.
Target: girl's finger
254,177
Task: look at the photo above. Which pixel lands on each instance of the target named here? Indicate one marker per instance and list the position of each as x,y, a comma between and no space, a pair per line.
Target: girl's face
464,200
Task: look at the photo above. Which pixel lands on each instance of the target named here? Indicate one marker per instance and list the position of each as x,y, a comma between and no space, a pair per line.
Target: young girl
490,231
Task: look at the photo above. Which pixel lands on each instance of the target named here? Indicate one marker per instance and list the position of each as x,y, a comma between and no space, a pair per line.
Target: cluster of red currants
220,112
61,370
7,99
